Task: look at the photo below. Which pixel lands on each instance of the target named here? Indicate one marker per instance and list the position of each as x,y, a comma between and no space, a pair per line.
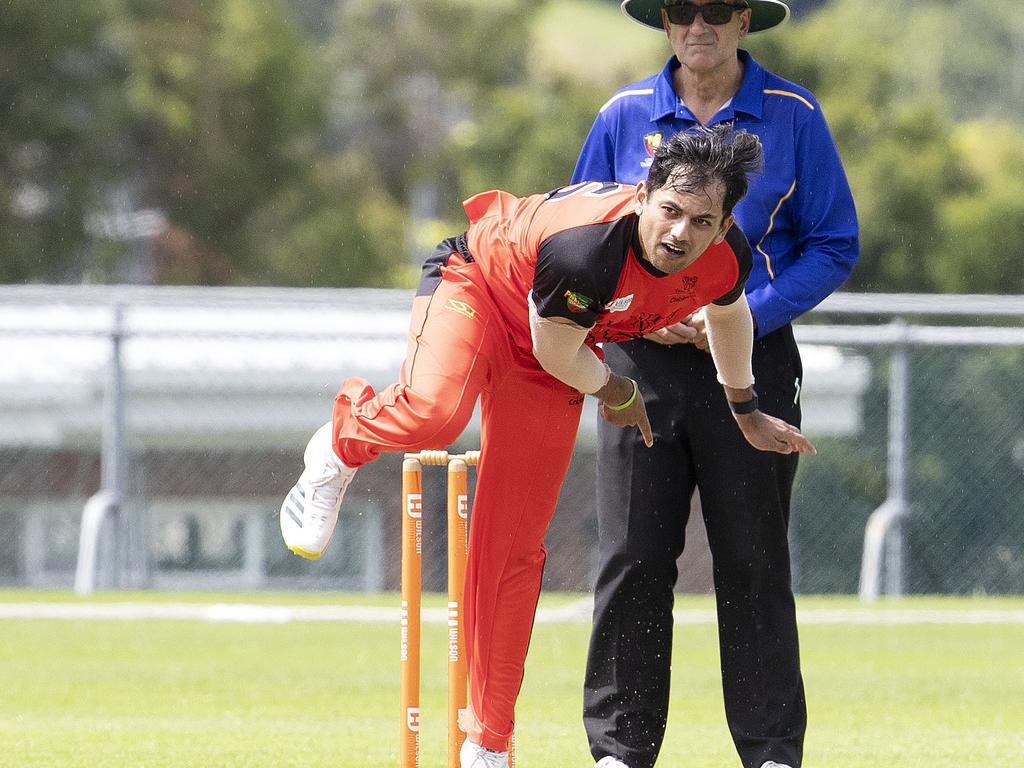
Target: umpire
799,216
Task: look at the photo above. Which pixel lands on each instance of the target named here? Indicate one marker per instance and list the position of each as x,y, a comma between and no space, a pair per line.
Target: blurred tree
178,142
799,9
937,175
60,80
526,136
411,80
227,103
451,97
920,185
213,141
986,222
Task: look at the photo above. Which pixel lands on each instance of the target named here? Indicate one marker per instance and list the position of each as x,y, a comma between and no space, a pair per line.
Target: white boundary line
575,612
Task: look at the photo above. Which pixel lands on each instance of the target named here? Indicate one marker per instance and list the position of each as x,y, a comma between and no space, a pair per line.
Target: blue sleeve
597,158
827,242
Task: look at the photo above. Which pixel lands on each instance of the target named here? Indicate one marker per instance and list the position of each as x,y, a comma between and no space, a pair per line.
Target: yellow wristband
625,405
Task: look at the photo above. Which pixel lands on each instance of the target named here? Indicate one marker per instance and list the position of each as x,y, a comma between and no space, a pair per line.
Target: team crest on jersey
652,141
576,302
620,304
687,287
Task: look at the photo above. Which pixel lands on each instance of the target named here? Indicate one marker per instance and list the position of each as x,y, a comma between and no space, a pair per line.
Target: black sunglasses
712,13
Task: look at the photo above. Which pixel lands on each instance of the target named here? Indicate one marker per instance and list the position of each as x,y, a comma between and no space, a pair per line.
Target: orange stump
458,516
412,558
412,562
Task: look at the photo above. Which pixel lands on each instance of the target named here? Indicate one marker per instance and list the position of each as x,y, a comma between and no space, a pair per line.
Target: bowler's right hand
618,390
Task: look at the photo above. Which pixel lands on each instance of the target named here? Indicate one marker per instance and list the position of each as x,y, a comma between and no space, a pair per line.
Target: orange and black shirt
577,251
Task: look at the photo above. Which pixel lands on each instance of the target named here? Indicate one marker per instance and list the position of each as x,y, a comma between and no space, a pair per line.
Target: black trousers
643,504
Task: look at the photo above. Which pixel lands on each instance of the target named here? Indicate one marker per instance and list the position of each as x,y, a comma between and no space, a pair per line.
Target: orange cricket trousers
459,350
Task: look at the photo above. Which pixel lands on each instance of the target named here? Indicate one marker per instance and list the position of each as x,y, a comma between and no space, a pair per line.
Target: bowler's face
677,227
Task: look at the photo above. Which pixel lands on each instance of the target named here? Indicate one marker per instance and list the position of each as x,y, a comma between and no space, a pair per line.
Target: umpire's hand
768,433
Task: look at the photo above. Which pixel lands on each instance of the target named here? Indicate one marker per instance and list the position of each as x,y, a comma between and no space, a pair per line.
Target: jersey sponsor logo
461,307
652,141
620,304
576,302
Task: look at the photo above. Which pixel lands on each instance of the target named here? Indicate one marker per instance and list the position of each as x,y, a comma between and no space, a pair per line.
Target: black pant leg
643,505
745,496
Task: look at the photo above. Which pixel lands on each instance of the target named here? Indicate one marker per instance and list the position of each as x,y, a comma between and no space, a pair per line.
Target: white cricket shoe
610,762
773,764
310,510
475,756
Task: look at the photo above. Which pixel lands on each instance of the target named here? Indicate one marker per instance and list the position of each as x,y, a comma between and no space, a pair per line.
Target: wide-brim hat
765,14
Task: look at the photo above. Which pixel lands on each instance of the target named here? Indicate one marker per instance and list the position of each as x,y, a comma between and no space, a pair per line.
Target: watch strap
748,406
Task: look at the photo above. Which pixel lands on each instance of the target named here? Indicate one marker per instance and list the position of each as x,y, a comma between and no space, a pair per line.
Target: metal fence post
882,565
112,450
106,505
899,441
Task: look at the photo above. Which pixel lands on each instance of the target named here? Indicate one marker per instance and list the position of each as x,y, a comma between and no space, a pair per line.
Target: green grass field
155,693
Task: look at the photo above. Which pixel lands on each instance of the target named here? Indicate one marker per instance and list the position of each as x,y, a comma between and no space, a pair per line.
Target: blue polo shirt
798,215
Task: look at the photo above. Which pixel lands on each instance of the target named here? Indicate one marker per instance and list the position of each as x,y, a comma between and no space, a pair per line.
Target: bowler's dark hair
698,158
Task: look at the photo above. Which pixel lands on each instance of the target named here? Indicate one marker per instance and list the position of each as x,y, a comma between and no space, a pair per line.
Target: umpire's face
677,226
703,46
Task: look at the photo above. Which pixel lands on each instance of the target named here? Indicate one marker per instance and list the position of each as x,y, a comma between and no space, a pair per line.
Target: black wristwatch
748,406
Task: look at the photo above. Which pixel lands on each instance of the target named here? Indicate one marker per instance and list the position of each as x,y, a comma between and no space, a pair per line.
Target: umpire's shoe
310,510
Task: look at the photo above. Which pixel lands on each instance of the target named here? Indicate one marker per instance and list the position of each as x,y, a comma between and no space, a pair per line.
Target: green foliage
986,223
337,155
59,81
592,46
527,135
340,228
448,107
227,105
408,74
971,52
213,114
902,88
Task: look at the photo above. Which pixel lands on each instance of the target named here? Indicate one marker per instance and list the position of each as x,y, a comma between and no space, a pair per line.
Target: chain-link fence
943,438
193,406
